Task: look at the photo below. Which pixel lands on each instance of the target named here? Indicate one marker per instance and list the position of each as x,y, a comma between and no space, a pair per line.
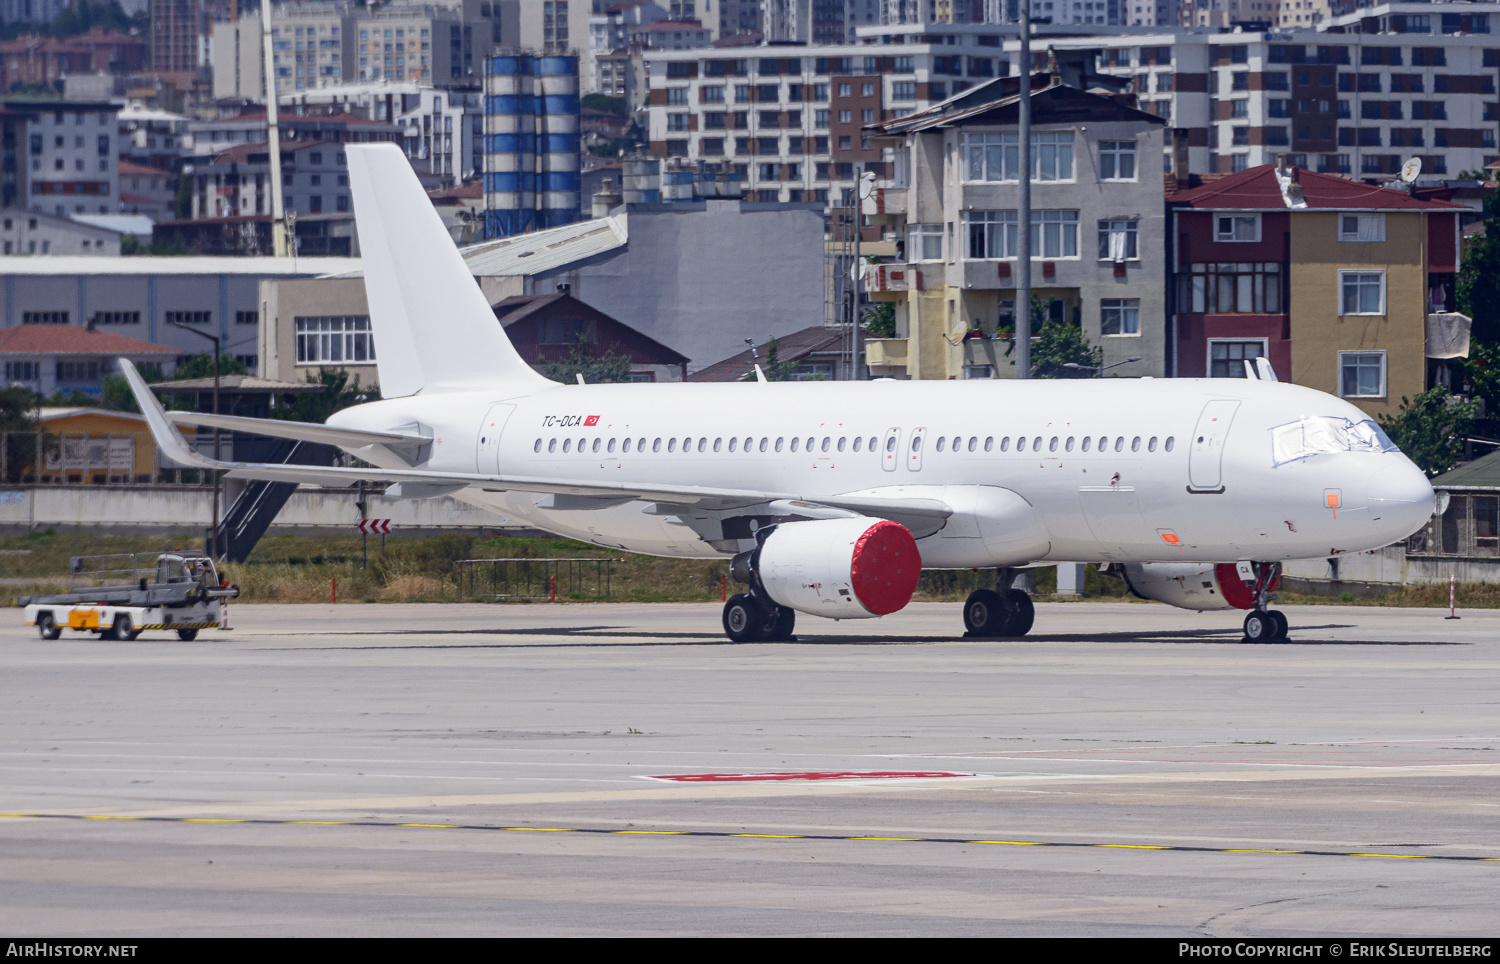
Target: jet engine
1193,585
840,568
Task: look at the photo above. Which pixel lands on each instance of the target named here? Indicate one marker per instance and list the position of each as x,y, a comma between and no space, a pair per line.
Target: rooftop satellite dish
1411,170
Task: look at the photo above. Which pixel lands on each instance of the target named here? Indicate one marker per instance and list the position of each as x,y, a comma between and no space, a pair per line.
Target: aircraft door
914,449
1206,452
890,454
487,457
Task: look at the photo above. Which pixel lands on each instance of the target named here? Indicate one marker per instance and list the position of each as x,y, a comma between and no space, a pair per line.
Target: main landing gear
1001,611
1265,625
749,619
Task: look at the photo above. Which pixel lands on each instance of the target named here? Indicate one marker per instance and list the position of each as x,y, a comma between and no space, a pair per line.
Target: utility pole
1023,230
273,137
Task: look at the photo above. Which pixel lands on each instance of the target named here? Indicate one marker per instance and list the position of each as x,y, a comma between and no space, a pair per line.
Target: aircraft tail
434,329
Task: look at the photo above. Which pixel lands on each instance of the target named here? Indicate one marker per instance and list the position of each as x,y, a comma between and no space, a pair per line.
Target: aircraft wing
606,493
301,431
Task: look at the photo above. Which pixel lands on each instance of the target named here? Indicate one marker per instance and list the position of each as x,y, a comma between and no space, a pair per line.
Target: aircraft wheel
985,613
187,635
1022,613
1281,625
1260,627
47,627
744,620
779,627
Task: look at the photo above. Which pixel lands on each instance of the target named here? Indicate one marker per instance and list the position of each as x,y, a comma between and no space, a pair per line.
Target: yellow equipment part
83,619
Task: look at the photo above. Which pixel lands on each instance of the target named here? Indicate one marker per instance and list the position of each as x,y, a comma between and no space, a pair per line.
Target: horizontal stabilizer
348,438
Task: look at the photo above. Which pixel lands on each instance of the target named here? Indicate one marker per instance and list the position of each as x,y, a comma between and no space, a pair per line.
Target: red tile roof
73,340
1257,189
131,167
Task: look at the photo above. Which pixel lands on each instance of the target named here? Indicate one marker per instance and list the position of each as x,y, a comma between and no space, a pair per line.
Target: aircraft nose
1401,499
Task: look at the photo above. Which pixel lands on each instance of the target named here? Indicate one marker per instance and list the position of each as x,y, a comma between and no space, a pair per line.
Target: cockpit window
1324,435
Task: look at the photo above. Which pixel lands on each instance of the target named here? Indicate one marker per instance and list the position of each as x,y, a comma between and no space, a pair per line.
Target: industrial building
698,276
141,297
531,143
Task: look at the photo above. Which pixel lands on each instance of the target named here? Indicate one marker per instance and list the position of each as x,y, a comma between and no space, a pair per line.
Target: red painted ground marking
809,775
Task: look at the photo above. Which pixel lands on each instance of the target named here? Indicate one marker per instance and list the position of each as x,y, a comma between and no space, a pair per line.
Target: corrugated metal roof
1482,473
545,250
539,251
55,265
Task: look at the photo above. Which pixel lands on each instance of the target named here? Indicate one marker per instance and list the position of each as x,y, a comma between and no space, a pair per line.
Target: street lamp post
213,539
1099,370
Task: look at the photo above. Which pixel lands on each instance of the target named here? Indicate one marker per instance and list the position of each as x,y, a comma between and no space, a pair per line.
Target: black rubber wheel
985,613
47,627
744,619
1259,627
124,629
187,635
1022,614
779,627
1281,625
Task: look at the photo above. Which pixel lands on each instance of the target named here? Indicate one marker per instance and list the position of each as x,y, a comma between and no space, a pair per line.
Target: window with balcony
1231,288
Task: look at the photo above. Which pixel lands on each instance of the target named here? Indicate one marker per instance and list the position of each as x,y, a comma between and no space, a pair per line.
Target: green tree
339,392
603,102
1055,343
183,203
595,369
18,423
1478,286
777,370
880,319
1431,429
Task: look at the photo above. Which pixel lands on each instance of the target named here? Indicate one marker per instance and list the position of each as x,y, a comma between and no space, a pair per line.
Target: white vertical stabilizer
434,329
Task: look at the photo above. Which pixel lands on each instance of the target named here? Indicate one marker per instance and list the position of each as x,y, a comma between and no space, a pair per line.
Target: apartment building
1345,288
237,182
1098,238
790,117
61,156
1359,95
177,27
441,125
326,44
817,21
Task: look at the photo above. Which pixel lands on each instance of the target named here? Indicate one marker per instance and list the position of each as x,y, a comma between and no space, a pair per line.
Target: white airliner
830,497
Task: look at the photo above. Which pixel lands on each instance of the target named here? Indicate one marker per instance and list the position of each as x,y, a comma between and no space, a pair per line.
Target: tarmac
621,769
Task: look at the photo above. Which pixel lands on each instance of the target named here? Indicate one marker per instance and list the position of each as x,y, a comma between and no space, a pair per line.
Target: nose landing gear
1265,625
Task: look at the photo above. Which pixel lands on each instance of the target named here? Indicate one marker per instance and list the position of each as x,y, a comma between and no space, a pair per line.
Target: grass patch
300,569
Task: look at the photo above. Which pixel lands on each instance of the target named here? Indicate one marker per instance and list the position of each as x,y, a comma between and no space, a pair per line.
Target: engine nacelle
1192,585
840,568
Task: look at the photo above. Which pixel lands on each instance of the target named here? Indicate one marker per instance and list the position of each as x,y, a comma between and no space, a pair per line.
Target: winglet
168,439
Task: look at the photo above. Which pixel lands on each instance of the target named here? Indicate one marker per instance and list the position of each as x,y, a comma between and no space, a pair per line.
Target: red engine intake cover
886,567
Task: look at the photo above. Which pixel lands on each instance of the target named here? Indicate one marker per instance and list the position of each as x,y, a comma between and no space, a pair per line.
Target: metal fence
534,578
